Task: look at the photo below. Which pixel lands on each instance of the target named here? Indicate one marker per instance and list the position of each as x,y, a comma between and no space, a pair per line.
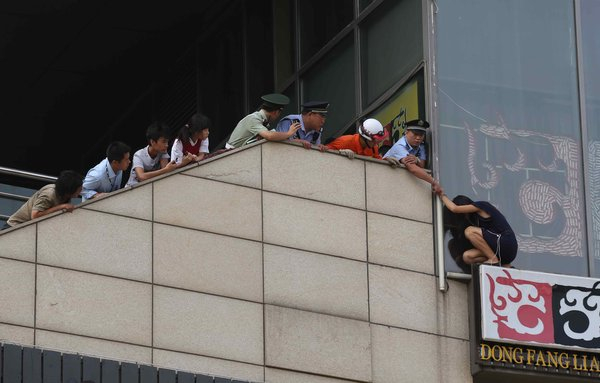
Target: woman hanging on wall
489,232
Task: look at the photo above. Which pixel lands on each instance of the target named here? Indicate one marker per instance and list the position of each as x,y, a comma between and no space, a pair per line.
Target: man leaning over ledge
410,151
256,125
49,199
312,119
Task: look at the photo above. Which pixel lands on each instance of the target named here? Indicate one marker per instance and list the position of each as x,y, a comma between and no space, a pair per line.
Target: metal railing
27,175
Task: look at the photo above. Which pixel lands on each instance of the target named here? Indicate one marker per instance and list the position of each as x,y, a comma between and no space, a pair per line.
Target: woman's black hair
462,200
197,123
456,223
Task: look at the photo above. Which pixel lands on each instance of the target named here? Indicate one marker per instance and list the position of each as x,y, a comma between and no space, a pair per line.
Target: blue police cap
315,107
417,125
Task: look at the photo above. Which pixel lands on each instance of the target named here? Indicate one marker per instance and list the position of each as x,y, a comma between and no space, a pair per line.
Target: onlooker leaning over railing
108,174
365,143
192,139
410,151
153,160
49,199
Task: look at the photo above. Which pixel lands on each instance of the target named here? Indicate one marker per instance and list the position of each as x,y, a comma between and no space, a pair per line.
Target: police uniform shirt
314,136
142,159
100,179
248,128
401,149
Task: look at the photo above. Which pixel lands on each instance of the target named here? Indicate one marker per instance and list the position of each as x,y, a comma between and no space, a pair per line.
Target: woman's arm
463,209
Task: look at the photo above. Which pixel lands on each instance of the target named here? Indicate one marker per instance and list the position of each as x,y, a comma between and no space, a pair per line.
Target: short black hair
67,183
116,150
156,130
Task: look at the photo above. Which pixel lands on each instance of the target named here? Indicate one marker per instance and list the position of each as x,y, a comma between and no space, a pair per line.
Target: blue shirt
313,136
401,149
100,179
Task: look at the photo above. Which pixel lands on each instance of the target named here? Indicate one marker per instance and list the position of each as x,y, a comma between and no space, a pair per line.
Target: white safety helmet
371,129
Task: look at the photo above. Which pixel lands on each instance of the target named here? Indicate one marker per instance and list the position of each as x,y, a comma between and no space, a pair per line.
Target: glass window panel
320,21
332,80
292,107
391,45
509,129
283,37
590,30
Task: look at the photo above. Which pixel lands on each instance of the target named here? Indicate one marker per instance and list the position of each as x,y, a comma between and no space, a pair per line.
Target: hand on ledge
347,152
394,162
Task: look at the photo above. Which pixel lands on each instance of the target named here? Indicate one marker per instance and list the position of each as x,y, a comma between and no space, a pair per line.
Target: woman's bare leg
475,235
474,256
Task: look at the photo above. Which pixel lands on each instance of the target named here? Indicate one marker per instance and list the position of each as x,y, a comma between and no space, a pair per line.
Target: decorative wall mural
540,201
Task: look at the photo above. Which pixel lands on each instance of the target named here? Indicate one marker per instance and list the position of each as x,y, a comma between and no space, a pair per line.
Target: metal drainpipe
438,228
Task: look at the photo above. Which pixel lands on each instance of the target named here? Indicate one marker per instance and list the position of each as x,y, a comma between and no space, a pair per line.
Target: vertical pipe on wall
584,137
429,11
357,62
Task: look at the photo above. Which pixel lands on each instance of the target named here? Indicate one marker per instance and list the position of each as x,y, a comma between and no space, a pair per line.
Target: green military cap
275,100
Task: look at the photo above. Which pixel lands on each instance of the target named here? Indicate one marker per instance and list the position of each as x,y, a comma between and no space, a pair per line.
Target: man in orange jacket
365,142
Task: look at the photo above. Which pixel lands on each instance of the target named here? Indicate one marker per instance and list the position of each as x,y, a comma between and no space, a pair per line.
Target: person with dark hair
494,241
256,125
456,224
153,160
49,199
411,152
312,119
365,142
192,139
108,174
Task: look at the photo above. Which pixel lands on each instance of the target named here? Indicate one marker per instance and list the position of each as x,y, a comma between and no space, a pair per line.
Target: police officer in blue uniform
311,119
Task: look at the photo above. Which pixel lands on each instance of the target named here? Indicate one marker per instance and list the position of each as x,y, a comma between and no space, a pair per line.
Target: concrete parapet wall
271,263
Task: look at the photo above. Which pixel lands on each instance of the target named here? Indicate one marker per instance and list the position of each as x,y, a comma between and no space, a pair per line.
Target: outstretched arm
271,135
419,172
464,209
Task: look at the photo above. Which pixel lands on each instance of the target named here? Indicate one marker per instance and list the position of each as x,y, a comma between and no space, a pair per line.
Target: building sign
538,321
565,361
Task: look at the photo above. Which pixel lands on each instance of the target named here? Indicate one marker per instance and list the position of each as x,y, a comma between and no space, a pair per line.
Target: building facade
246,266
511,92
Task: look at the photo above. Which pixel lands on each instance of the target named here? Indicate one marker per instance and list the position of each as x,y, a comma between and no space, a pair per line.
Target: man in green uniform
256,125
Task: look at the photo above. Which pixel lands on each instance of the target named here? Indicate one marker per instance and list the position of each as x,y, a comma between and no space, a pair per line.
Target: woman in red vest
192,139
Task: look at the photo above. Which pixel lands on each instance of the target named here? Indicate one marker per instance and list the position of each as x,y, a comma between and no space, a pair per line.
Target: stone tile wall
272,263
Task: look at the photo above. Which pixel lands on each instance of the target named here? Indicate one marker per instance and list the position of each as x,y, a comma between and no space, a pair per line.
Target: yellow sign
533,357
404,107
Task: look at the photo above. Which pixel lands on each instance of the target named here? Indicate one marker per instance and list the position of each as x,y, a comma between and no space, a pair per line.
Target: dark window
320,21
